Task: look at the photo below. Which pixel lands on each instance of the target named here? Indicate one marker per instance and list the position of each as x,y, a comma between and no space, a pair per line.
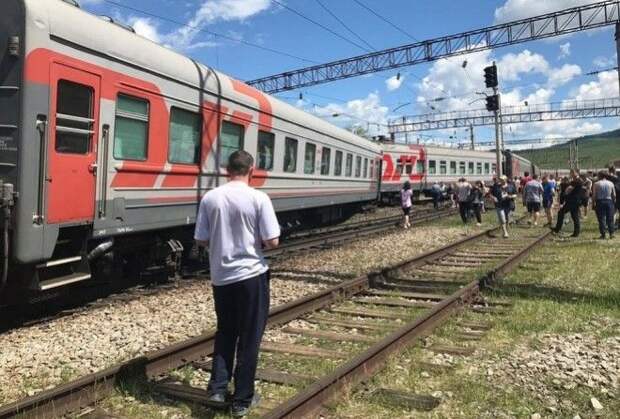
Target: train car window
470,168
184,144
443,167
487,168
432,167
479,168
419,166
338,164
131,128
409,169
74,118
349,167
494,168
365,168
453,168
309,159
231,140
290,155
265,150
358,166
372,168
462,168
326,158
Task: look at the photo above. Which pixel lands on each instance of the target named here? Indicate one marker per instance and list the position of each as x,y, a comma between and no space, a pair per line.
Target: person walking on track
405,202
604,195
615,179
477,201
532,195
503,201
463,192
549,187
235,221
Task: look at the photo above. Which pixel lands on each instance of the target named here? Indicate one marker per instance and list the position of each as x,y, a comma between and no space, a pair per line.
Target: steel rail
85,391
312,399
353,232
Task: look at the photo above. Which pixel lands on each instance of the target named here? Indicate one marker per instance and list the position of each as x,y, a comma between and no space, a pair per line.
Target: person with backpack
405,202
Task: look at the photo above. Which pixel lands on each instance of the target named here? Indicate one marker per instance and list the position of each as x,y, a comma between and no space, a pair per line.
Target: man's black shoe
602,237
241,411
217,400
574,235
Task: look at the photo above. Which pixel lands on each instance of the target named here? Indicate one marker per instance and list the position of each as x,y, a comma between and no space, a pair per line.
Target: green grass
595,151
567,286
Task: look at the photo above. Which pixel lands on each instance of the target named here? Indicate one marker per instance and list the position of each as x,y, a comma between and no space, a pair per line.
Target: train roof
71,24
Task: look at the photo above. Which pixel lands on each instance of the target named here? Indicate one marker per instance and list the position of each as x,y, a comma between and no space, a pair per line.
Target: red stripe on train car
265,118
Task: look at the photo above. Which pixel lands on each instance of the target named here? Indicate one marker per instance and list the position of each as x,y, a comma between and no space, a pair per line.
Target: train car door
74,122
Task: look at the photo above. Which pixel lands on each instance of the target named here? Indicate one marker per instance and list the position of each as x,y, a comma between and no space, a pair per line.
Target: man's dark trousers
242,309
605,209
464,209
574,214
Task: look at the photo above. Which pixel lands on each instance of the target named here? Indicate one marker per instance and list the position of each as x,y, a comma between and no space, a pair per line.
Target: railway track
324,343
350,231
100,294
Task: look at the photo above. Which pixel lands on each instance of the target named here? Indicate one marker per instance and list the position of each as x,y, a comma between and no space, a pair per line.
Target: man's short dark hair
612,169
602,175
535,176
526,174
239,163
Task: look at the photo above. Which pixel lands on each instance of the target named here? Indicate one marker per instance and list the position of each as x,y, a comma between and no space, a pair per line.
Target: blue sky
539,72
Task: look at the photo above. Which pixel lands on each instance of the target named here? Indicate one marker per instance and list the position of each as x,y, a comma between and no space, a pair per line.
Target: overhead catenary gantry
563,22
599,108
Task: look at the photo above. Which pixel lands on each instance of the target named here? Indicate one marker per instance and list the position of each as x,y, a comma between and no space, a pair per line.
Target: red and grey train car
516,166
108,141
424,165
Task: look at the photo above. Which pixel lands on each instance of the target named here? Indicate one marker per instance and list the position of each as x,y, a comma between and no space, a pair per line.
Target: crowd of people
574,195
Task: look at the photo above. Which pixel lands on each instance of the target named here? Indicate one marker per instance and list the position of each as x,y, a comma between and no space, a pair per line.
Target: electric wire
344,25
199,29
320,25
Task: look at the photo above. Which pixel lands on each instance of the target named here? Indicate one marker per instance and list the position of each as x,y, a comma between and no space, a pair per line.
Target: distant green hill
595,151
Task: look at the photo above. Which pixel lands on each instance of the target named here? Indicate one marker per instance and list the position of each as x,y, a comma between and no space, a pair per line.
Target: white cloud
606,62
512,65
394,82
146,28
564,50
604,87
212,11
564,74
361,112
519,9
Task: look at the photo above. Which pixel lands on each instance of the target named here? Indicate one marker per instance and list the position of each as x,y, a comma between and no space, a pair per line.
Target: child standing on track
405,202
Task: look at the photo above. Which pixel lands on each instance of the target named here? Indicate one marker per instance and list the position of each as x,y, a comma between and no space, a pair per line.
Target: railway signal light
490,76
493,103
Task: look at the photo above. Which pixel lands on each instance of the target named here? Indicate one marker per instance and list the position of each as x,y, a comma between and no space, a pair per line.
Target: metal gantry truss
599,108
545,26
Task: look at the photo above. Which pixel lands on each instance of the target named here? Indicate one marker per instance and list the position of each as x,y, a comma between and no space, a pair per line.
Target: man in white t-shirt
235,221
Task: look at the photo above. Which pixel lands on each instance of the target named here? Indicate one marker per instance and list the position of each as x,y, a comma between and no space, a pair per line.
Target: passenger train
108,141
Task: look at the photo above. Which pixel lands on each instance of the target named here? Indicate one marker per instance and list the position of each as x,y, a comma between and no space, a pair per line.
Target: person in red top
526,178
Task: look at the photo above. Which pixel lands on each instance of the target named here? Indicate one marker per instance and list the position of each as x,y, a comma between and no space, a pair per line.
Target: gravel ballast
45,355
